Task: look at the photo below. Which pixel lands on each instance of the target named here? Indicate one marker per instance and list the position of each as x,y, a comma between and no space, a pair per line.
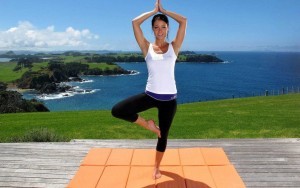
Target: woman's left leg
129,108
166,113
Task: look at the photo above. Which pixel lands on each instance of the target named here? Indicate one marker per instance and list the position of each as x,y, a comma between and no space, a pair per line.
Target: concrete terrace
260,162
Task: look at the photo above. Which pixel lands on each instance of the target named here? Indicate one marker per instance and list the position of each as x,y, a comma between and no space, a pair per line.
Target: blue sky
213,25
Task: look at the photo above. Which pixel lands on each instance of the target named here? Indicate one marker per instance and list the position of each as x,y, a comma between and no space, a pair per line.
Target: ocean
243,74
4,59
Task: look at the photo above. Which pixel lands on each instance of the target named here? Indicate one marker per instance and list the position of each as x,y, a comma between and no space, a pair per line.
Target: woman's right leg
129,108
166,113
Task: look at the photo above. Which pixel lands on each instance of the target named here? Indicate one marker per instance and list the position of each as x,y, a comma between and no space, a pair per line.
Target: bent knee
123,114
115,111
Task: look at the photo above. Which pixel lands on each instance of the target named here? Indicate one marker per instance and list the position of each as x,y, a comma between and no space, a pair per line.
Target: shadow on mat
178,182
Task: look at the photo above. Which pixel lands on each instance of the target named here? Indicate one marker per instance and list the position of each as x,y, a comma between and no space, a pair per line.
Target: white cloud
26,36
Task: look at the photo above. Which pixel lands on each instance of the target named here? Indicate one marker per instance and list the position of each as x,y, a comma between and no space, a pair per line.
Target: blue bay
243,74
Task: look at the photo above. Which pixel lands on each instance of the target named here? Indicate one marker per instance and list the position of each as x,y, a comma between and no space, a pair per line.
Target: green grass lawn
255,117
7,74
70,58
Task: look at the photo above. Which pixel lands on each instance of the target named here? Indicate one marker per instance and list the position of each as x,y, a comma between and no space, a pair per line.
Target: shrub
40,135
3,86
12,102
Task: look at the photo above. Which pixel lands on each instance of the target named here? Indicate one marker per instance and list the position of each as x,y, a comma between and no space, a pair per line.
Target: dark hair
160,17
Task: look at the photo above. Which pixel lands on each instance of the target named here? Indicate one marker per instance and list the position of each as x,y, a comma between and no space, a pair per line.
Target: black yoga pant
128,110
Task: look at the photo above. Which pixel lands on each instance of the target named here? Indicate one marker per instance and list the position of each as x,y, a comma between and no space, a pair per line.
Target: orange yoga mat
180,168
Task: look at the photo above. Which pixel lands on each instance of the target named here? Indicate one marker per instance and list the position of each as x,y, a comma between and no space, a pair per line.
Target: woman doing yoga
161,88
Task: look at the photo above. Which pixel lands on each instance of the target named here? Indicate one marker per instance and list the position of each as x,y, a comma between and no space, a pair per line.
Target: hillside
255,117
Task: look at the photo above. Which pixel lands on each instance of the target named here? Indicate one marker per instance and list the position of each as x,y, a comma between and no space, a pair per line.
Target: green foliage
187,53
199,58
39,80
25,62
39,135
73,69
12,102
3,86
17,68
58,71
94,71
56,65
33,80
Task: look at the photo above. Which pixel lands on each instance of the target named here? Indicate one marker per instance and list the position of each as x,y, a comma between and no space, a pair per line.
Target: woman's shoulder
145,48
175,48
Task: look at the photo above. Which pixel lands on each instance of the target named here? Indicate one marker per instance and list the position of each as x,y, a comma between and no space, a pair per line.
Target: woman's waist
161,97
161,88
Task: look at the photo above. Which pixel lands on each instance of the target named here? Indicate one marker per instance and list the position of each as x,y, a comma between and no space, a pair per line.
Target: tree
12,102
74,69
3,86
24,63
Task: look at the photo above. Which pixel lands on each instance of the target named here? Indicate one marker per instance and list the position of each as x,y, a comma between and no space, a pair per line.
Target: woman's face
160,29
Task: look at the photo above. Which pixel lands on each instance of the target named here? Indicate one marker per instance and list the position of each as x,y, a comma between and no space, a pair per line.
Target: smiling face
160,26
160,29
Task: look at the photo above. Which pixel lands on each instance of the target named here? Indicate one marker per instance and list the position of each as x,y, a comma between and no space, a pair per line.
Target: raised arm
138,33
182,21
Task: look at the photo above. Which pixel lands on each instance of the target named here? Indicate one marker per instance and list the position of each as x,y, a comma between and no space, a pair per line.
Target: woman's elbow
135,22
183,20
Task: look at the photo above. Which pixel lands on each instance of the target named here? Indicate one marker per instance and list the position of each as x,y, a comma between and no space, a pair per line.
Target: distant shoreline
44,71
14,87
4,60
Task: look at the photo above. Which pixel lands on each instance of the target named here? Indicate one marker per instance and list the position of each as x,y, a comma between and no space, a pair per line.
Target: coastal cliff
45,71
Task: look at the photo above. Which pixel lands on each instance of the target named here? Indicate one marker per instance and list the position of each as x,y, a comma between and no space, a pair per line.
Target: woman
161,89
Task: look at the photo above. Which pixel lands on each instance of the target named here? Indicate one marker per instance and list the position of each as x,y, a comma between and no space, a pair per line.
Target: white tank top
161,67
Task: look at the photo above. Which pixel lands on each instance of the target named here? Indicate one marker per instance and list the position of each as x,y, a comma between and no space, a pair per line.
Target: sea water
242,74
4,60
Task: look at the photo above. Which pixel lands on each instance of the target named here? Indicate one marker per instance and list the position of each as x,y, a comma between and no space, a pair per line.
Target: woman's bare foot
156,174
152,127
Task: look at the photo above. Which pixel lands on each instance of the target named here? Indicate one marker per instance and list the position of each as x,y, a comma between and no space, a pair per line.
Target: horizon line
138,51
